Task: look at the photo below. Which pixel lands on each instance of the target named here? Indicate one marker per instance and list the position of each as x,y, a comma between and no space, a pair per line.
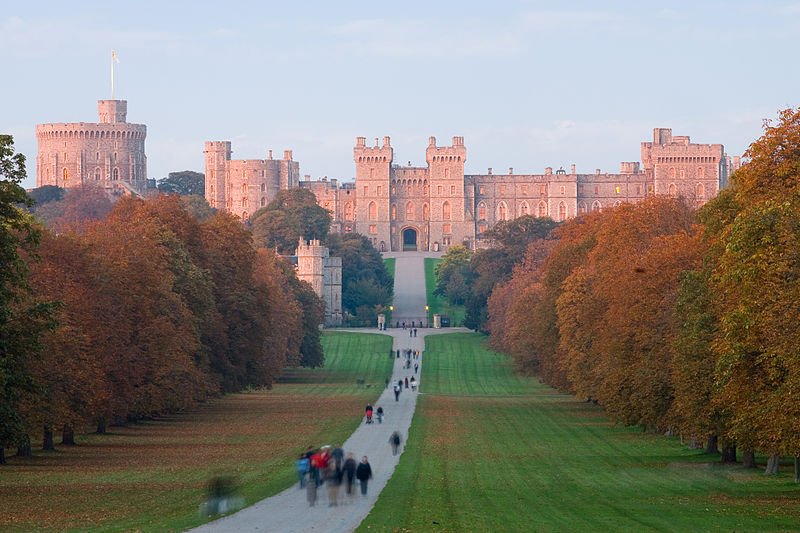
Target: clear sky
529,84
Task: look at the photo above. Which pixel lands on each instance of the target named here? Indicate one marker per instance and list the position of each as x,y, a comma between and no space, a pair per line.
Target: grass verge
490,451
439,304
152,476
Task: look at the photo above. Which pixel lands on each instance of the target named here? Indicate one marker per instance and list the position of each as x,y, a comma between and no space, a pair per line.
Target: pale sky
528,84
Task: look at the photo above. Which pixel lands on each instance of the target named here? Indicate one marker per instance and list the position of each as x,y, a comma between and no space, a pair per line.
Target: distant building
324,273
242,186
109,153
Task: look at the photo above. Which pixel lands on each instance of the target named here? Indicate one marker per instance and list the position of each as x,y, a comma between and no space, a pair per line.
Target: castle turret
450,206
217,153
112,111
373,178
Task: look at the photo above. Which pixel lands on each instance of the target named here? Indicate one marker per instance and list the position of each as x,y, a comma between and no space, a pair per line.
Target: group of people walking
328,466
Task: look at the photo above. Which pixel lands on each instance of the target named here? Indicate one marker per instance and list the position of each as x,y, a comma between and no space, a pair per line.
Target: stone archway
410,240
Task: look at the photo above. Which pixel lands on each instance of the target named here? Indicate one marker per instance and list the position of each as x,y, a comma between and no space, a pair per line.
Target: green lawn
489,451
151,476
439,304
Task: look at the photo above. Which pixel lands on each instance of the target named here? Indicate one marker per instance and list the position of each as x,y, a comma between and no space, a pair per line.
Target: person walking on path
395,440
349,472
379,412
364,474
396,392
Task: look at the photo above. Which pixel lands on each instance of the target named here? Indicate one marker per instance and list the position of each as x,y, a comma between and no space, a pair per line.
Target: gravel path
289,510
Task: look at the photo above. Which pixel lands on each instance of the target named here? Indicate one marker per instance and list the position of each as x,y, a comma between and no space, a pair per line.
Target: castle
109,153
406,208
324,273
242,186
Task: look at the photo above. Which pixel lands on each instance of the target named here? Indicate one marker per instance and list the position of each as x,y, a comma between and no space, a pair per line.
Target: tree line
142,310
676,319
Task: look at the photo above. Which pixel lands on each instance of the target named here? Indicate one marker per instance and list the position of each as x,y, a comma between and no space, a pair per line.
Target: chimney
270,155
572,169
548,171
386,141
510,171
490,171
287,155
431,141
361,141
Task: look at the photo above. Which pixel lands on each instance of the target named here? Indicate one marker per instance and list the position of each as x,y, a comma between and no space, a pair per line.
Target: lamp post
427,317
391,309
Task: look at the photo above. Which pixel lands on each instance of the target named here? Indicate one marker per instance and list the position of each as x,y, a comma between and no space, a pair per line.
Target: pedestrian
396,392
411,333
380,414
416,368
303,465
368,413
332,480
364,474
398,353
338,458
413,384
311,492
406,382
395,440
387,383
349,472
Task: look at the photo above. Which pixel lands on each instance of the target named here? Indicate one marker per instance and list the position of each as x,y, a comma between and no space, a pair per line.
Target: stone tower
452,220
217,153
109,153
243,186
324,274
373,179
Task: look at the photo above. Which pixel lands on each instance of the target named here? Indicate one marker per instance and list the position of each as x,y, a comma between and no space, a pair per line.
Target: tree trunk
773,464
711,445
68,435
101,426
729,453
749,459
47,439
24,449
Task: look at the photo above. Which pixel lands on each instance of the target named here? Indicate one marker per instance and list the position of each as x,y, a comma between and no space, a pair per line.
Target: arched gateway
410,240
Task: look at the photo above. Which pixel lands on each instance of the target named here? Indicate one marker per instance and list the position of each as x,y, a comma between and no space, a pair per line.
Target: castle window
447,228
366,190
373,211
439,189
410,211
524,189
115,156
97,156
562,190
482,190
371,172
683,173
638,190
541,210
425,212
596,190
65,174
380,190
580,188
502,189
481,211
115,174
482,226
394,212
245,216
502,212
263,187
446,211
244,202
373,229
596,206
523,209
672,172
394,189
617,189
348,211
562,211
244,173
672,189
582,208
263,201
700,191
97,174
244,188
452,189
700,172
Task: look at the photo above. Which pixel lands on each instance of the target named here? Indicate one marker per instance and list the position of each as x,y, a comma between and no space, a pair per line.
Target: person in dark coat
350,472
364,474
395,441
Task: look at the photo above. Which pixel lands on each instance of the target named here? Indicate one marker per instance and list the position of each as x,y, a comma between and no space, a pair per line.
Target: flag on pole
114,56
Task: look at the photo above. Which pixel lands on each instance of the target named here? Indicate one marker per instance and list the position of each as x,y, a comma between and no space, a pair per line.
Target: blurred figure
303,466
379,412
396,392
413,383
350,472
364,474
221,496
395,439
368,413
332,480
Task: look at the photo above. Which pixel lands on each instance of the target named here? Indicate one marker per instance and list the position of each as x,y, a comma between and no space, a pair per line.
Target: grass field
489,451
151,476
439,304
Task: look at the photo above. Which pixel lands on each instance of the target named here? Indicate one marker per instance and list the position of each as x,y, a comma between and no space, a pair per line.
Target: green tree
22,319
185,183
453,275
46,193
292,215
366,283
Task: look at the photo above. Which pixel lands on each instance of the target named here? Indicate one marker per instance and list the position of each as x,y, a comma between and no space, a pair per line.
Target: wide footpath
289,511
